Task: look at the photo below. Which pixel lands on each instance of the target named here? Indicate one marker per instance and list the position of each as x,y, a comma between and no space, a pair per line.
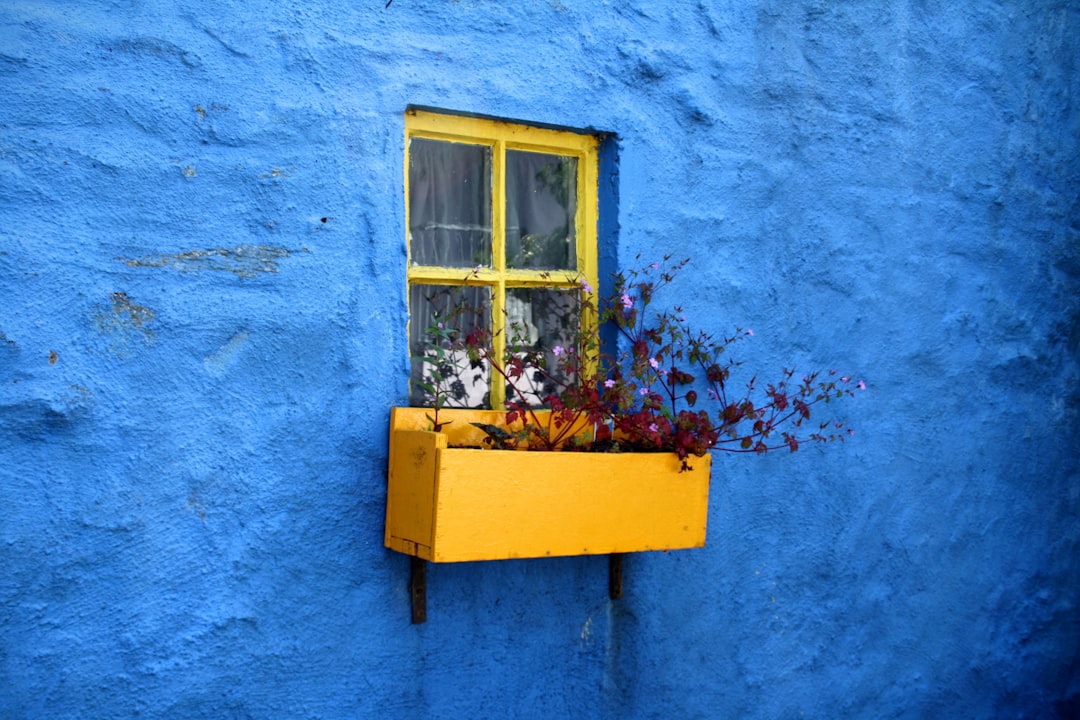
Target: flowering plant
665,388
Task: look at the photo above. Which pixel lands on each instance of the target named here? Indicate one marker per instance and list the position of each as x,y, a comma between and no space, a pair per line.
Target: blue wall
202,328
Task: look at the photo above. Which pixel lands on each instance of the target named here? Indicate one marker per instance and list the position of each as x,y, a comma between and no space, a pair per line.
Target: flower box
450,503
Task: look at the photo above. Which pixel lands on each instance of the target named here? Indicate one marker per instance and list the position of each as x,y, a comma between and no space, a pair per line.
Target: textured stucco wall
202,327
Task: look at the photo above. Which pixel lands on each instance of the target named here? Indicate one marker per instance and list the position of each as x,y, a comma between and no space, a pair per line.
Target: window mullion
498,207
498,260
544,278
432,275
588,213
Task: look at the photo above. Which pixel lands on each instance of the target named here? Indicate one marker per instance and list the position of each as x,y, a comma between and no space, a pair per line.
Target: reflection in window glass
450,311
537,321
541,203
449,203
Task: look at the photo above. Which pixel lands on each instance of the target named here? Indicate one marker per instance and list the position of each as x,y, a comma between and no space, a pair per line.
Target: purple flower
643,392
862,385
585,286
653,363
627,301
558,350
609,383
653,428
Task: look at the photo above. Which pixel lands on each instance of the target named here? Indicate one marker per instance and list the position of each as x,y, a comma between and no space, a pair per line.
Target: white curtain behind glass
449,204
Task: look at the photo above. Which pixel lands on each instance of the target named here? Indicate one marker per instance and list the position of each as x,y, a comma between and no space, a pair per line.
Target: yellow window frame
501,136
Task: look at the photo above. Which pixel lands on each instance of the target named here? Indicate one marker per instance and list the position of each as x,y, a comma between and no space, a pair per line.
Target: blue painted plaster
202,327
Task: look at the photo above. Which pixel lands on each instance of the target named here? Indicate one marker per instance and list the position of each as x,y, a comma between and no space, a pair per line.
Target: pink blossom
585,286
845,378
627,301
609,383
750,332
643,392
557,350
653,363
653,427
862,385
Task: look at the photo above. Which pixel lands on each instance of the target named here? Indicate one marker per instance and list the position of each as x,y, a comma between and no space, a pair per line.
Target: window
503,217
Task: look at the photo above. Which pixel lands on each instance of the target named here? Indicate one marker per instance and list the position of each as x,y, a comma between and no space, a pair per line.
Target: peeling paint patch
586,633
202,111
131,314
277,173
123,322
195,506
157,48
242,260
217,363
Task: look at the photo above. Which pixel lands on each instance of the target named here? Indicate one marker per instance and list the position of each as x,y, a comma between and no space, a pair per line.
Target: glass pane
539,320
440,315
449,204
541,203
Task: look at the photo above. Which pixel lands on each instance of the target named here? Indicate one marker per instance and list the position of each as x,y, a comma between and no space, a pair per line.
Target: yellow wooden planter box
450,504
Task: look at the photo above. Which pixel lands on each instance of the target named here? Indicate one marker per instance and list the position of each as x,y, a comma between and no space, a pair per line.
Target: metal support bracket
418,588
615,576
